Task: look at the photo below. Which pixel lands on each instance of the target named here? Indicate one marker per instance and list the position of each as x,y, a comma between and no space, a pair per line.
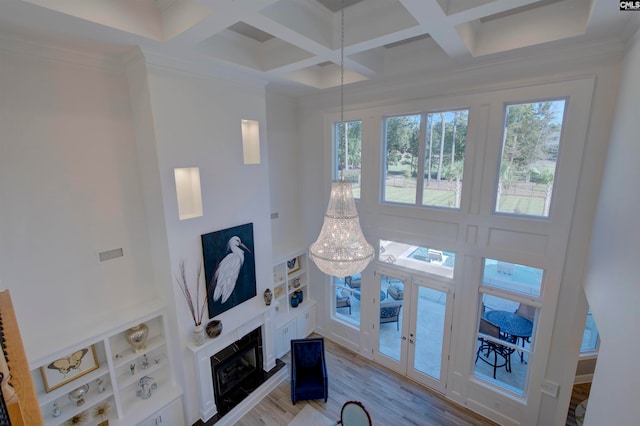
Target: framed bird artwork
63,370
229,267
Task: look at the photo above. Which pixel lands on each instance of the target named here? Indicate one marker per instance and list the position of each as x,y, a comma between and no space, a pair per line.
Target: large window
527,171
590,336
424,158
348,152
507,325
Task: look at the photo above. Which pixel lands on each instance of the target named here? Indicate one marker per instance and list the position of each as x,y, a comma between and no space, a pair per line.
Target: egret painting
229,267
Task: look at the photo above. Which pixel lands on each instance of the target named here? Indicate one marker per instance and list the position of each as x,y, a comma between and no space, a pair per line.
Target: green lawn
521,205
445,198
432,197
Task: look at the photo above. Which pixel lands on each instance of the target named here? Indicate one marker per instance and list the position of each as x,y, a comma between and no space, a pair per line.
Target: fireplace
237,371
243,355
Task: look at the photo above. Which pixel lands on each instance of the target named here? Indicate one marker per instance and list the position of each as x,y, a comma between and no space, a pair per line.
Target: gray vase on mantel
198,335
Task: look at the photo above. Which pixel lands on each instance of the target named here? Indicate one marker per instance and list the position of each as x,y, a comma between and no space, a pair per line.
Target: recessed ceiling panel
374,19
306,21
336,5
324,76
159,20
251,32
451,7
549,21
231,46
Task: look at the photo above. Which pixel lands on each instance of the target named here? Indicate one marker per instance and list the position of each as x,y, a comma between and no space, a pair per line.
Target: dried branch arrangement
195,307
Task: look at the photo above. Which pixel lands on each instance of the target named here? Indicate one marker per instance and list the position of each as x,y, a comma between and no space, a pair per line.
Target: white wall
69,188
612,284
284,169
197,123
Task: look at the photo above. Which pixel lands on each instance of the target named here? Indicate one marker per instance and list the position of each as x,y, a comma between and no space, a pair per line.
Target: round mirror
354,414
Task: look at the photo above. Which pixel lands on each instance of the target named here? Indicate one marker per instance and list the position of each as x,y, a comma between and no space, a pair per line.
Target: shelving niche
292,322
290,275
115,357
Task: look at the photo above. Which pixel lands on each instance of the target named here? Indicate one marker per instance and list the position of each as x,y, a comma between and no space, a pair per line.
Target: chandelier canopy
341,249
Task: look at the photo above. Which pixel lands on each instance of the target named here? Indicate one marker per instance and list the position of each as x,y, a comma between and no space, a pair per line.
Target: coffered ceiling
296,43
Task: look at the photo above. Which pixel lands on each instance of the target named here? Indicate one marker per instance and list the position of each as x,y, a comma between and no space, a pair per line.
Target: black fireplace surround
237,371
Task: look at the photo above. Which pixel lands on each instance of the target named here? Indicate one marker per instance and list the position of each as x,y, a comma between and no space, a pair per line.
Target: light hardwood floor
579,393
390,398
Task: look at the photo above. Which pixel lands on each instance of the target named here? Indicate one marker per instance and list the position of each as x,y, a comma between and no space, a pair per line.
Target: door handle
404,338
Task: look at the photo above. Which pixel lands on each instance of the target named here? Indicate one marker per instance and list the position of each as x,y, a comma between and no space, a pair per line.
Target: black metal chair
488,347
308,370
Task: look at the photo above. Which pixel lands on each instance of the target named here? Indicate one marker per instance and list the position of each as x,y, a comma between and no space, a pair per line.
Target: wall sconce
251,141
188,192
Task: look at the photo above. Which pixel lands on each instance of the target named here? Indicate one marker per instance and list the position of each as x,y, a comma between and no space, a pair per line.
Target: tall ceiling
295,44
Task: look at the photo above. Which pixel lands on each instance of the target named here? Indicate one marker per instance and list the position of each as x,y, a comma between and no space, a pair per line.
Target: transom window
418,258
424,158
528,164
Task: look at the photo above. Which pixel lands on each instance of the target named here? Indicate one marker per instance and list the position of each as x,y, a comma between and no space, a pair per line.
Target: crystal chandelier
341,249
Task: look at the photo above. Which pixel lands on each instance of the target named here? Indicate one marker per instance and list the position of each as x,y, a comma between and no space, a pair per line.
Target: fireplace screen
237,371
233,372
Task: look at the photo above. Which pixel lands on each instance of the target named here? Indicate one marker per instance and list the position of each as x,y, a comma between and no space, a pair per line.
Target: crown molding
43,49
205,70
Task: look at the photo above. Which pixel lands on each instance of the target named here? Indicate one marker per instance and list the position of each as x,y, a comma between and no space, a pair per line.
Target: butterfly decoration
291,263
64,365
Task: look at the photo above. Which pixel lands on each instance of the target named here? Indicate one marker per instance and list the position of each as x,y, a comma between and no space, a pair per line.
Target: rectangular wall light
251,141
188,192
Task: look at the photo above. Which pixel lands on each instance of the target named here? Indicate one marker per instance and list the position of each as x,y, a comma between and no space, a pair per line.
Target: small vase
267,297
294,301
137,336
300,295
198,335
214,328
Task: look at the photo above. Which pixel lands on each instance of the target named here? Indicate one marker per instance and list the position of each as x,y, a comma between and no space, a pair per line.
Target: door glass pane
348,149
430,317
401,158
446,141
504,340
347,305
390,323
530,148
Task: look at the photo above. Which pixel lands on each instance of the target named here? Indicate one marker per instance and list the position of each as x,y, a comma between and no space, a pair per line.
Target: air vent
110,254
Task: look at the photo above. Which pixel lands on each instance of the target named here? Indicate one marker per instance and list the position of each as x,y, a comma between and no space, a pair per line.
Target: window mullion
420,169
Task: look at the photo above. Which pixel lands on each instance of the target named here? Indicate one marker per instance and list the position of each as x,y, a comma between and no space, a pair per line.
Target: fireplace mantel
264,318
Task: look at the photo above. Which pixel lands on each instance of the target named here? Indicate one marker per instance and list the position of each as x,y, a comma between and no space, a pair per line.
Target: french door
414,328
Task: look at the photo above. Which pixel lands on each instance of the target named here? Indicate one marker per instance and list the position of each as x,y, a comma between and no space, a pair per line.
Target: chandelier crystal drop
341,249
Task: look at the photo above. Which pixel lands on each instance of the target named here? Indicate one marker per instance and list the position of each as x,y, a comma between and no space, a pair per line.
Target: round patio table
516,326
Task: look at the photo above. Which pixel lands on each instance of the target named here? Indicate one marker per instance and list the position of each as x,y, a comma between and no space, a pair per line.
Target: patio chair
396,291
353,281
353,413
308,370
343,300
488,347
390,312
